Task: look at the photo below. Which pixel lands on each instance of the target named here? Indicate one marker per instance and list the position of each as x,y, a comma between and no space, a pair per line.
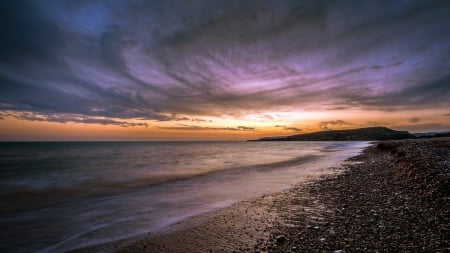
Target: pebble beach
393,198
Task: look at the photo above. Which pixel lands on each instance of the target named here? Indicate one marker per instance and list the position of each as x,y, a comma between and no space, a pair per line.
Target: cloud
245,128
29,36
295,129
431,93
326,125
64,119
177,117
414,120
200,120
424,127
152,60
186,127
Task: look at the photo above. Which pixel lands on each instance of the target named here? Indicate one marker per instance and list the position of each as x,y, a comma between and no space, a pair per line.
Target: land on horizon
359,134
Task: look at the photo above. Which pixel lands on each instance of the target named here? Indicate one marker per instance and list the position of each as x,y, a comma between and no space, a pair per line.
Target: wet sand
395,197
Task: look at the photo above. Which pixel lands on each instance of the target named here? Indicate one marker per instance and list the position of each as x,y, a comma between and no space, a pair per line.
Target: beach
224,126
394,197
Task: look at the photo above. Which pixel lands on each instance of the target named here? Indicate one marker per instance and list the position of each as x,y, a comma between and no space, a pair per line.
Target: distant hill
360,134
432,134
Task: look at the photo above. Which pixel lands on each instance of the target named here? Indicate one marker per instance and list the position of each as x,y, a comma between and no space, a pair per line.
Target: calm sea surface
60,196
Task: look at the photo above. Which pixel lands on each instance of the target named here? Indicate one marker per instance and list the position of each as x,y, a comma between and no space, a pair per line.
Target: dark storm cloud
172,60
28,34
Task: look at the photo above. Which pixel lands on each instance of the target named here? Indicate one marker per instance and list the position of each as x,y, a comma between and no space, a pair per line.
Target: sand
394,197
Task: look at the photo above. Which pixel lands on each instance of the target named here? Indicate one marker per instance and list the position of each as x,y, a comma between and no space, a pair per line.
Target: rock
280,239
339,251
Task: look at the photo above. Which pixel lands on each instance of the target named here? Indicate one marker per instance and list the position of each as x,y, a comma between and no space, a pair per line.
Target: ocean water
60,196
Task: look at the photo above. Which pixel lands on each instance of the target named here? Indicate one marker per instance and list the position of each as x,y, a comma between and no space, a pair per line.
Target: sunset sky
220,70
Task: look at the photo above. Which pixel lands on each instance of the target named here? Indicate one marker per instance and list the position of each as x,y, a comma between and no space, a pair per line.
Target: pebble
280,239
401,207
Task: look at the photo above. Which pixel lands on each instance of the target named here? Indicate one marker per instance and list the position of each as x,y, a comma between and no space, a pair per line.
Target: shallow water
60,196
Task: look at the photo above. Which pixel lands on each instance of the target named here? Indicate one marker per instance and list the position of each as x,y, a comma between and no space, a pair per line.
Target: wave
342,145
22,199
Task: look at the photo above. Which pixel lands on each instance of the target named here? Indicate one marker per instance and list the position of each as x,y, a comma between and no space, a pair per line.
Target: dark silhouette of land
360,134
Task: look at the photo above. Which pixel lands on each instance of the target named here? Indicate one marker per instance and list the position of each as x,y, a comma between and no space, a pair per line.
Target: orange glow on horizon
249,126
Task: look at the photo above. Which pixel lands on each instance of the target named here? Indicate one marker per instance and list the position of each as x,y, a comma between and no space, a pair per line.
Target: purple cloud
155,59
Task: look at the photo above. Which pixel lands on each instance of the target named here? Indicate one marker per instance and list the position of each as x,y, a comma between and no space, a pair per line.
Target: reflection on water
67,195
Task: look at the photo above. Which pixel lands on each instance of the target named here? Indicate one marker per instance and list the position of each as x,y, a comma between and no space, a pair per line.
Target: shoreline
241,227
382,200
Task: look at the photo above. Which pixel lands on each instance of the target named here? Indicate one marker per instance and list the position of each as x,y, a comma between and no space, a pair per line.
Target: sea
60,196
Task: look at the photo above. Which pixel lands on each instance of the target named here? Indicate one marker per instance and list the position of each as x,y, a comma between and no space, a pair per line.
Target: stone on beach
392,198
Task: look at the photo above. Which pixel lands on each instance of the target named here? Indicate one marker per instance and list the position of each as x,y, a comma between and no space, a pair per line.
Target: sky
220,70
